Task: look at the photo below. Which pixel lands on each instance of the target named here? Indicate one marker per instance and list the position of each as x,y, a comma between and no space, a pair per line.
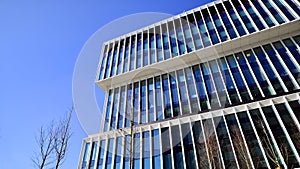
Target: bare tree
61,139
53,143
45,142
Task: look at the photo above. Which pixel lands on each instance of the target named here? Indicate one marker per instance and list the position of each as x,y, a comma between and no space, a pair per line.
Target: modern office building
214,87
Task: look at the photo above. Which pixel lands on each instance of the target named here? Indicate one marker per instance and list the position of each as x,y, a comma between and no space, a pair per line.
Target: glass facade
232,108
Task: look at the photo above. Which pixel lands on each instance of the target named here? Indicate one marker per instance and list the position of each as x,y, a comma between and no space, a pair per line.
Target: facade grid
213,87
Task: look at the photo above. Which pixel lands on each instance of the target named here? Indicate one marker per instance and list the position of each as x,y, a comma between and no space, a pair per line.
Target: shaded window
203,32
183,92
236,22
177,148
101,154
108,108
114,61
226,21
103,63
110,153
174,94
156,149
273,11
166,148
143,102
191,90
118,154
150,100
158,98
263,13
85,155
115,106
166,94
210,27
188,146
121,53
121,108
128,106
200,87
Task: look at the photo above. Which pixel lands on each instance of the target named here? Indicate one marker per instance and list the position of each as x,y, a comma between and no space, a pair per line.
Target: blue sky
39,44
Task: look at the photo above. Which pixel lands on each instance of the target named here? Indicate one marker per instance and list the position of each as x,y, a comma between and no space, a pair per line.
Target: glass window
285,10
158,99
128,152
226,21
294,6
200,146
218,24
167,99
146,149
210,88
201,87
121,108
165,38
114,109
85,155
159,44
114,62
108,108
136,106
238,78
210,27
187,35
156,149
139,51
173,39
263,13
287,60
93,155
143,102
273,11
188,146
177,148
295,105
136,151
174,94
108,66
118,154
292,48
252,141
128,106
183,92
145,48
110,153
101,154
236,22
280,69
132,53
126,56
121,53
224,141
180,38
253,15
232,91
268,69
150,100
203,32
166,148
152,46
103,63
195,32
244,17
248,76
191,90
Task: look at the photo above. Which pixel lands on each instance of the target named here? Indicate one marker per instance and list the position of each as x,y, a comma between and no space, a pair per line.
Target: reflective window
293,49
195,32
244,17
203,31
114,62
201,88
146,150
174,93
93,155
294,6
108,66
158,98
295,105
143,102
121,108
210,88
273,11
121,53
279,67
166,148
192,93
128,152
187,35
188,146
259,74
200,146
103,63
232,92
263,13
177,148
150,100
156,149
159,44
183,92
268,69
126,56
118,154
136,106
224,141
132,53
253,15
238,78
108,107
210,27
136,151
248,76
180,38
284,9
110,153
145,48
173,39
139,51
101,154
236,22
85,155
167,99
218,24
128,106
226,21
115,106
252,141
152,46
165,38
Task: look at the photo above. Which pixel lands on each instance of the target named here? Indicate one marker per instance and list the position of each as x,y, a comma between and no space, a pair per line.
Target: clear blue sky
39,45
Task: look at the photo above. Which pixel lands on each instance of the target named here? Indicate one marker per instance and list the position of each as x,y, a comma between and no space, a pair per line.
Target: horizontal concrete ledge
203,55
